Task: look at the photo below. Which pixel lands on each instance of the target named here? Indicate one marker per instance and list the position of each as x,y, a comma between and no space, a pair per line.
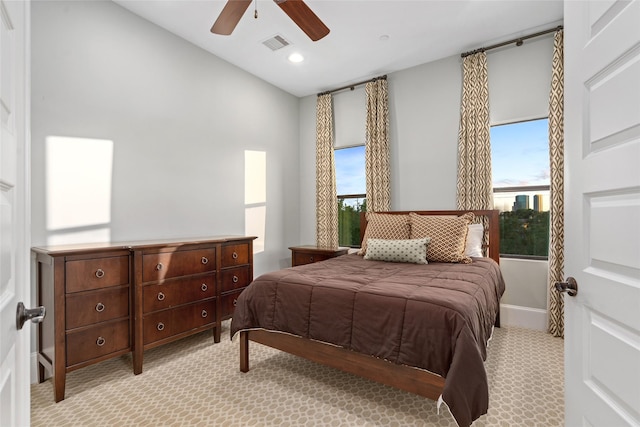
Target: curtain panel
326,193
556,162
474,185
377,170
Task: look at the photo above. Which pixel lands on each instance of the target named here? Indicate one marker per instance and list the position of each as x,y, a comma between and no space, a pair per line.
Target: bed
423,328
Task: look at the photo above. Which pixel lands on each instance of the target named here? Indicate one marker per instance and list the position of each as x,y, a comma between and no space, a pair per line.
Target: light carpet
194,382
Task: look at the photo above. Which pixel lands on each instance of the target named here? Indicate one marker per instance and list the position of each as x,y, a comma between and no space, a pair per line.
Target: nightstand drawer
234,278
302,258
167,323
97,341
178,291
96,306
163,265
96,273
301,255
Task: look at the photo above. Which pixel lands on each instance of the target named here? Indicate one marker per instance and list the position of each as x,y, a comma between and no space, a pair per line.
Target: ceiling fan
297,10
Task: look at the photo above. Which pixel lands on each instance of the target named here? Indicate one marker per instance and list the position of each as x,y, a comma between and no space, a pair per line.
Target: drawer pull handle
205,260
100,307
311,258
159,266
235,279
234,255
100,273
204,287
160,296
204,313
160,326
100,341
235,302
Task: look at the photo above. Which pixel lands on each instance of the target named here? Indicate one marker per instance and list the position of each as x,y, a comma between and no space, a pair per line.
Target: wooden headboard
493,224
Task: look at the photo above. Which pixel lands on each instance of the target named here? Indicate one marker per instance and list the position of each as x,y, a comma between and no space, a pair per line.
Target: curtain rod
353,86
517,41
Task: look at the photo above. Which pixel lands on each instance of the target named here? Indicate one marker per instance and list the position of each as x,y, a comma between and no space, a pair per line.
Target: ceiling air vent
276,42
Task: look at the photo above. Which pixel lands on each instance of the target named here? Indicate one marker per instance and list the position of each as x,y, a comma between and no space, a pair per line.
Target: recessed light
296,57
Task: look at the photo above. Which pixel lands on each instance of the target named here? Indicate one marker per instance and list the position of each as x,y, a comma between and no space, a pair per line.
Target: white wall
424,119
179,121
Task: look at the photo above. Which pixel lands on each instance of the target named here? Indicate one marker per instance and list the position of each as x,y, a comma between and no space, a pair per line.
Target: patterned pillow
385,226
410,250
448,235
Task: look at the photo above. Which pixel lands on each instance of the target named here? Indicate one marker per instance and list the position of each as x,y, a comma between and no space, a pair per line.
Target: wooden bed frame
413,380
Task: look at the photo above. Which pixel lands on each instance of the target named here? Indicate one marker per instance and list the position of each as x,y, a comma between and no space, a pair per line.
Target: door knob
23,314
570,287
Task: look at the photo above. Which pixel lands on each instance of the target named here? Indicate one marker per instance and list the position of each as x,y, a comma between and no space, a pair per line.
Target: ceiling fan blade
230,16
304,17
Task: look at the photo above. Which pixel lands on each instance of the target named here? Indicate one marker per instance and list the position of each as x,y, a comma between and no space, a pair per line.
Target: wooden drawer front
96,306
234,278
95,273
97,341
176,292
235,255
229,304
164,265
301,258
166,323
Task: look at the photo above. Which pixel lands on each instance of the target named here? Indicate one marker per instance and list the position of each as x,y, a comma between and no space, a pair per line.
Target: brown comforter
437,317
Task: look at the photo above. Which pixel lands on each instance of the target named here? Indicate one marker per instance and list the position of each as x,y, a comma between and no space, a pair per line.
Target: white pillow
398,250
474,241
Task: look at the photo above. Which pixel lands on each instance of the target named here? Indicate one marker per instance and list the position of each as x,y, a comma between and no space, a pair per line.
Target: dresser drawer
86,308
96,273
178,291
163,265
229,304
166,323
97,341
234,278
233,255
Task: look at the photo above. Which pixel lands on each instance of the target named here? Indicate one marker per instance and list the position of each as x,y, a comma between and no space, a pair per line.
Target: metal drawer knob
235,302
205,260
160,296
159,266
100,273
100,341
311,258
204,313
100,307
234,255
160,326
235,279
204,287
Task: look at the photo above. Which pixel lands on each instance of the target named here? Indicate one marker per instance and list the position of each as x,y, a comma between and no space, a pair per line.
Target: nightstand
307,254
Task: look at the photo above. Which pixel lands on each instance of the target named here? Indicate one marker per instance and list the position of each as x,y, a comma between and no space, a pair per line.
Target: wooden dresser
106,300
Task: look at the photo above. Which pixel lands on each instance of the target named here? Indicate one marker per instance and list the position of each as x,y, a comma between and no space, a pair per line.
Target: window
351,189
520,166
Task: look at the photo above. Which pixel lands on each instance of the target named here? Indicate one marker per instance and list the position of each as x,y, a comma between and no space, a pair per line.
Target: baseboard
523,317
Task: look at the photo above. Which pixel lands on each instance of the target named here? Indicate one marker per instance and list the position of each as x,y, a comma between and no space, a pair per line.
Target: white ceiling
418,31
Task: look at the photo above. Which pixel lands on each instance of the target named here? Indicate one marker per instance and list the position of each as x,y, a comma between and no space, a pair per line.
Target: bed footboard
413,380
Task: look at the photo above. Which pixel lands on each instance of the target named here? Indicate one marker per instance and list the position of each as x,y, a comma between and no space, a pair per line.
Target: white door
602,217
14,211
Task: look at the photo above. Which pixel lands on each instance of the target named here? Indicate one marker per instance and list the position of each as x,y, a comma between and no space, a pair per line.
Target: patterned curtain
378,174
474,186
326,194
556,157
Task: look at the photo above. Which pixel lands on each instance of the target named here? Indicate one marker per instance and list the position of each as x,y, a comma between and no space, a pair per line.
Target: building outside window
520,167
351,189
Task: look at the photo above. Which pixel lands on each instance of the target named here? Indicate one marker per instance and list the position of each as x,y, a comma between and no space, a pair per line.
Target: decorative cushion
474,240
410,250
385,226
448,235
